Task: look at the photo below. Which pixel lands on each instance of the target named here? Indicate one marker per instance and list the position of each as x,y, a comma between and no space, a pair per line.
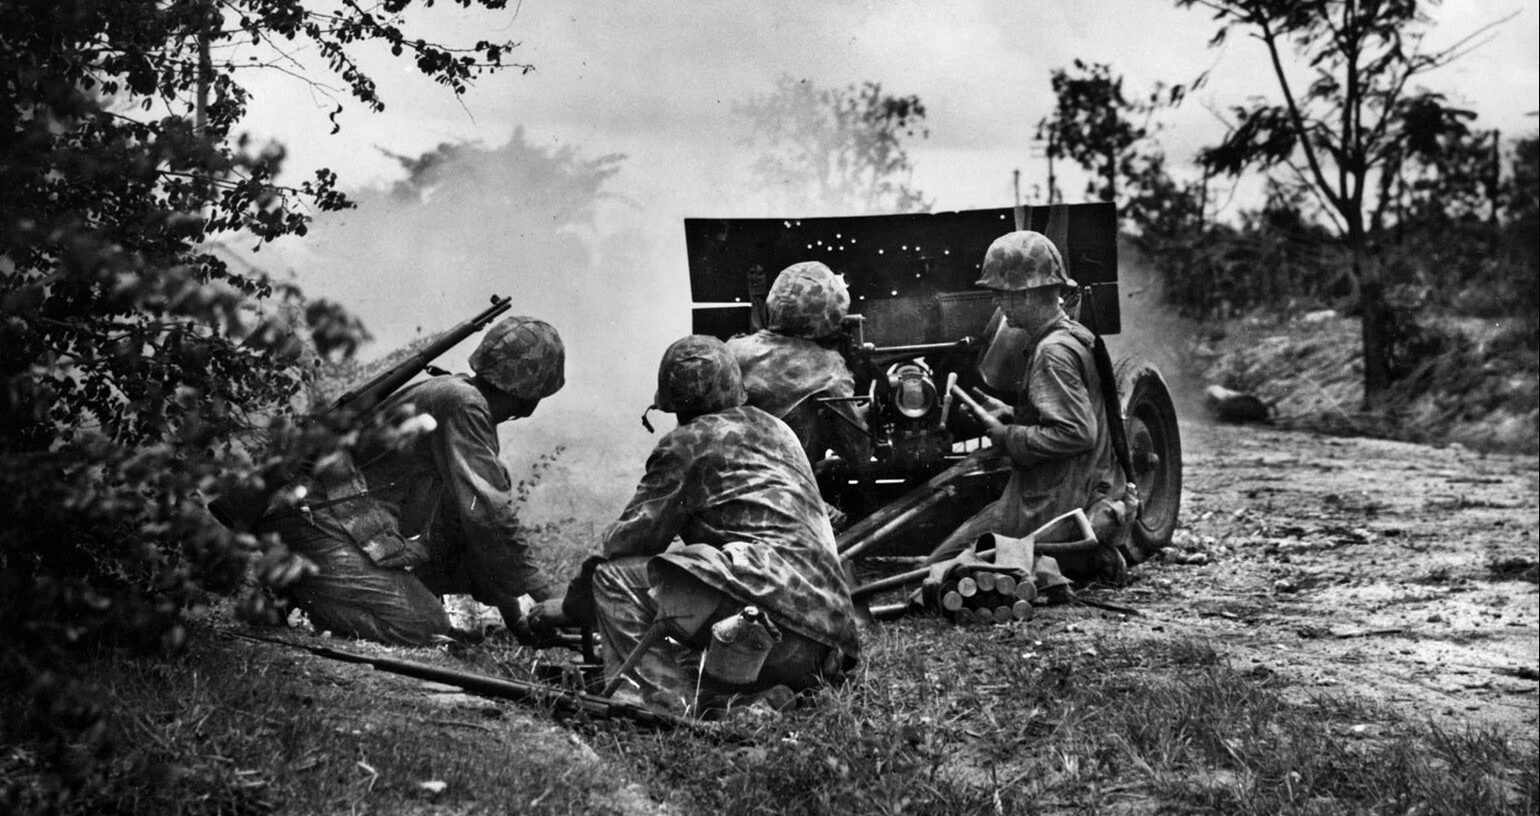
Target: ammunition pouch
352,514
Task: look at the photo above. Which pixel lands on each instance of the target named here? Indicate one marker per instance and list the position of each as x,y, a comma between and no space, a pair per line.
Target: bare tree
1337,135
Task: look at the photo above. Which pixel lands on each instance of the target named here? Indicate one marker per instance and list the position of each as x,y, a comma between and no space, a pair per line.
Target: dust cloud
1154,331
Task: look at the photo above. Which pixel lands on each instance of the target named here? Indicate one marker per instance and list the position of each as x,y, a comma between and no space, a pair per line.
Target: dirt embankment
1469,381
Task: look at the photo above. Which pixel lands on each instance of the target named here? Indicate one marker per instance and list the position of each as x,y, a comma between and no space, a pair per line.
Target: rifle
501,688
366,397
240,506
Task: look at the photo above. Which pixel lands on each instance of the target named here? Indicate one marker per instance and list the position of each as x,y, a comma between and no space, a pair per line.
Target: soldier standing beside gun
401,527
1057,437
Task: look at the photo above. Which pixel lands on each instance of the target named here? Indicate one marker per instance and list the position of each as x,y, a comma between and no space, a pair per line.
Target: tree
1094,124
134,363
1112,137
1342,133
1521,205
833,151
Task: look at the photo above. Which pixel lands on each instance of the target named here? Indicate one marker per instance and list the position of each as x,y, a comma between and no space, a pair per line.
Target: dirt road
1399,572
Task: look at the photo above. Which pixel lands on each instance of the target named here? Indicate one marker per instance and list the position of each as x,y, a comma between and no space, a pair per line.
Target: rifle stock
241,506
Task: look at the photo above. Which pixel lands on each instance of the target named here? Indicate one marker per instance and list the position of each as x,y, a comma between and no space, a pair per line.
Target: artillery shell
1026,590
967,587
1021,610
951,601
1003,614
983,615
962,617
985,580
1005,585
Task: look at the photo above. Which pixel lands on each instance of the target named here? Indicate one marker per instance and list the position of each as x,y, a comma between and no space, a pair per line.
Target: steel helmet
698,375
522,356
807,300
1023,260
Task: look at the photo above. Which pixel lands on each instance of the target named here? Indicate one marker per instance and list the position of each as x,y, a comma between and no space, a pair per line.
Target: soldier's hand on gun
996,408
987,412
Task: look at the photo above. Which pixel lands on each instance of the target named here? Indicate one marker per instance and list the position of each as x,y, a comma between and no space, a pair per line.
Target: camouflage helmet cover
698,375
522,356
1023,260
807,300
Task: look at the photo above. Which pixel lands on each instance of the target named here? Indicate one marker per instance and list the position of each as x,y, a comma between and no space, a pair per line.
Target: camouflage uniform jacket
736,481
1059,445
448,487
784,376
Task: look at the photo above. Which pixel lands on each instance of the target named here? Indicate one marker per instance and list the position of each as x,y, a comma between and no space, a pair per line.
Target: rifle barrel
495,687
386,382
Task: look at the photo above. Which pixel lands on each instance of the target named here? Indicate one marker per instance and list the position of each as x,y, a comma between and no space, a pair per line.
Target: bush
139,374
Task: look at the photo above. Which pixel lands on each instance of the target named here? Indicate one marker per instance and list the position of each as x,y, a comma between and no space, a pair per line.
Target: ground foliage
1021,719
1005,720
135,364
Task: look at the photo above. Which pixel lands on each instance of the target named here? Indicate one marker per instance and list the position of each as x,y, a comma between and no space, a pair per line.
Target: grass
994,721
236,728
940,720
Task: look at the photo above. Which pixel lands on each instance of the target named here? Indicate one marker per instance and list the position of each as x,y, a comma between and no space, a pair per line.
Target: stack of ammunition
980,594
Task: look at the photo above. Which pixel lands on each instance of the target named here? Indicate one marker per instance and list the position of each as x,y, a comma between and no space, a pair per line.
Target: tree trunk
1379,331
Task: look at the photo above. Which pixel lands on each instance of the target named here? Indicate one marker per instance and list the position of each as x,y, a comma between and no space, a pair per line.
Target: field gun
920,325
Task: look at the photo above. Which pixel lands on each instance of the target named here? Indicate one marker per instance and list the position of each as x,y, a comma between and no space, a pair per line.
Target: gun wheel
1155,448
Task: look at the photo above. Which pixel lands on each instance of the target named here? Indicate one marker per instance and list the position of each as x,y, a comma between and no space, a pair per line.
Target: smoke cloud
537,223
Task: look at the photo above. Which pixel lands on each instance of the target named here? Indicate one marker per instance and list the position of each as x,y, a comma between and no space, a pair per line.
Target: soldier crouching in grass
733,486
405,526
1057,437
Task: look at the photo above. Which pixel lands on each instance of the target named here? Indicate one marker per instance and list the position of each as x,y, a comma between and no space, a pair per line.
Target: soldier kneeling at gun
750,600
1057,437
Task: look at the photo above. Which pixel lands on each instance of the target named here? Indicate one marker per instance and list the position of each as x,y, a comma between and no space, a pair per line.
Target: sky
658,82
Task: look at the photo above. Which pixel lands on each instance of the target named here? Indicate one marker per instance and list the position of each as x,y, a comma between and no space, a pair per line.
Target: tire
1155,451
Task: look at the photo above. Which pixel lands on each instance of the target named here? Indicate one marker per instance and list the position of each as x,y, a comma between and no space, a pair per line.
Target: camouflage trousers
352,597
628,604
